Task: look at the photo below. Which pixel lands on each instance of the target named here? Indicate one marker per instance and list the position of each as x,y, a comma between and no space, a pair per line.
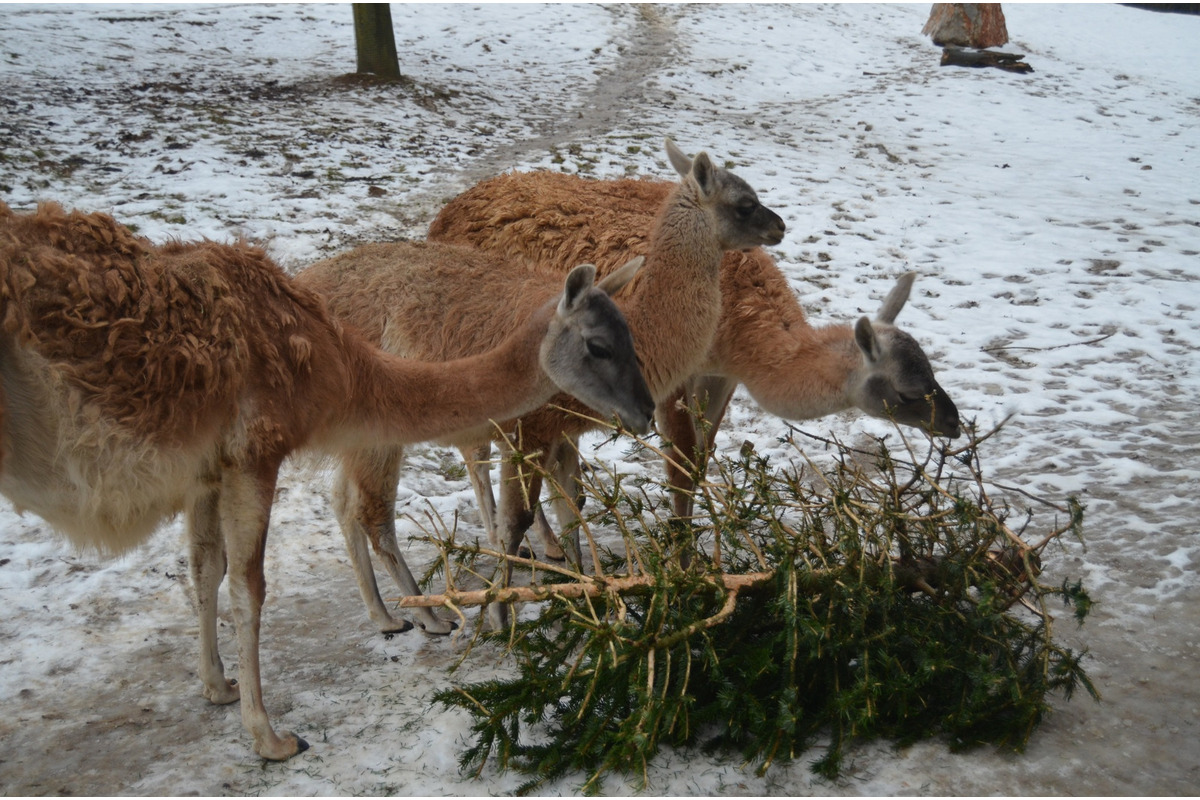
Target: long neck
676,299
397,401
683,232
801,373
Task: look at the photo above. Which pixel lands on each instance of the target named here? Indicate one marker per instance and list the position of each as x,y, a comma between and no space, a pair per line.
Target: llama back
555,218
155,339
397,295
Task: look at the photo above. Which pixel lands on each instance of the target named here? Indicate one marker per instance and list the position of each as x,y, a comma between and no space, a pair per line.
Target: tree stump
967,25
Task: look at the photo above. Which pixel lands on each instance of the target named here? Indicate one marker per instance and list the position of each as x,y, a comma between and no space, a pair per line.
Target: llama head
589,353
897,379
738,219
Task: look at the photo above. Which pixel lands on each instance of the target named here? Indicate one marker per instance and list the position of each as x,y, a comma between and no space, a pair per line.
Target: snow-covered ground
1054,219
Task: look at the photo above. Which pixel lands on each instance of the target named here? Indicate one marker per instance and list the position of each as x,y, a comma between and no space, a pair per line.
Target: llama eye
746,209
598,349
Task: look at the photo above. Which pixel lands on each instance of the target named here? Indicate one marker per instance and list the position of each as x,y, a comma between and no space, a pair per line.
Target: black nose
640,426
949,428
647,413
779,229
945,415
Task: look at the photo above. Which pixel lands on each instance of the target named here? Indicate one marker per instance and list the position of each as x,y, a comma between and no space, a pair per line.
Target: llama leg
347,503
365,499
514,517
709,395
206,556
713,392
678,421
377,488
479,469
568,502
551,546
676,427
245,512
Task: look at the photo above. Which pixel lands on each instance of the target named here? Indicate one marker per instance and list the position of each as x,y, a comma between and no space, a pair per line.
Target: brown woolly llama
139,381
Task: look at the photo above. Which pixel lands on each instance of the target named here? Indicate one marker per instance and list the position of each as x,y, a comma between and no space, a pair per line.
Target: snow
1053,218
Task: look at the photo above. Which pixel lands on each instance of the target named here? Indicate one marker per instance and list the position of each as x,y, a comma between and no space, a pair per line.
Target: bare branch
587,588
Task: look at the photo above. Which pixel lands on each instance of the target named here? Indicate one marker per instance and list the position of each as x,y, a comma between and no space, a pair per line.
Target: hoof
223,696
282,748
432,630
524,552
396,626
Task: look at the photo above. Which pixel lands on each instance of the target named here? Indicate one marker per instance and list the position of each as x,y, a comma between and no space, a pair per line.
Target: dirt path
611,103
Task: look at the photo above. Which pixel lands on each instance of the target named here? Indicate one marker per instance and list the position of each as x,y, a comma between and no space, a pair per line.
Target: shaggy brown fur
139,381
121,325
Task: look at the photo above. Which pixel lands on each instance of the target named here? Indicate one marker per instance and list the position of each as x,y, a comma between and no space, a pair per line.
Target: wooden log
961,57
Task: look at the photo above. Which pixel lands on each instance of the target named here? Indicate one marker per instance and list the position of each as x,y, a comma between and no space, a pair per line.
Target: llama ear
615,281
705,174
579,283
681,163
868,343
896,298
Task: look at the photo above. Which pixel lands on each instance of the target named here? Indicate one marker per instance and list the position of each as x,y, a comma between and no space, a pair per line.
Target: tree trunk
967,25
374,40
